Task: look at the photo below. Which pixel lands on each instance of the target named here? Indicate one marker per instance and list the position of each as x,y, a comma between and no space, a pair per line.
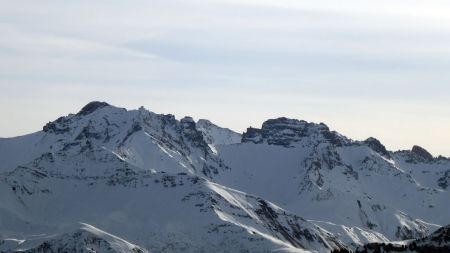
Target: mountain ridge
323,189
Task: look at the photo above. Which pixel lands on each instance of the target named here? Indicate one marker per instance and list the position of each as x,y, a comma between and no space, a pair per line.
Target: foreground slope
159,211
437,242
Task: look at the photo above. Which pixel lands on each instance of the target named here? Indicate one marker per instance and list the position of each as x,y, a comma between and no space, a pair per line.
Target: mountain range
108,179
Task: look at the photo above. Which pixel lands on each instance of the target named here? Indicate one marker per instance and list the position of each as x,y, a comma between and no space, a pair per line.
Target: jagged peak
188,123
376,146
216,135
92,107
285,131
64,124
418,154
205,122
187,119
284,122
421,153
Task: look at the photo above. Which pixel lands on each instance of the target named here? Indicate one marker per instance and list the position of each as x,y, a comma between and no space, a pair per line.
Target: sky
363,67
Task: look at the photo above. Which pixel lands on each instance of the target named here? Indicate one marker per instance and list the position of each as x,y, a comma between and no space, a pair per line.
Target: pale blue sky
365,68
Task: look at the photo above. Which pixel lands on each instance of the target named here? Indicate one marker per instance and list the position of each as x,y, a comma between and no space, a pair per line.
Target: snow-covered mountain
107,179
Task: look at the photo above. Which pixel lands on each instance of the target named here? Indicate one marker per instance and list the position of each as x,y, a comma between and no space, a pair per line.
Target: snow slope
437,242
159,211
86,239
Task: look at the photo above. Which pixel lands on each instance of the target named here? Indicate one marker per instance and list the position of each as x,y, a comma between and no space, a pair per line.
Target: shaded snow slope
437,242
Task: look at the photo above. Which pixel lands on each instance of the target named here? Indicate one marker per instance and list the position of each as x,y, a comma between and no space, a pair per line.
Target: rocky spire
421,153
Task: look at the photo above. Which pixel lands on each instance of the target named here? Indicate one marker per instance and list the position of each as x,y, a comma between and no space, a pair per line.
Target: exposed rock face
191,133
58,126
285,132
61,125
91,107
377,146
421,154
252,135
444,181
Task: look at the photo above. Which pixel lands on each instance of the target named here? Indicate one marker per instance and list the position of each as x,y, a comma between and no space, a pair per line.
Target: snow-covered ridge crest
141,138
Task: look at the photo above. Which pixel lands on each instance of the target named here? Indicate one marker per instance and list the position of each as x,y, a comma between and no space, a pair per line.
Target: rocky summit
108,179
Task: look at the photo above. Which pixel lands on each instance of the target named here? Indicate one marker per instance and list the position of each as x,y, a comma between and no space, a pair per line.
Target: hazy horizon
363,68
